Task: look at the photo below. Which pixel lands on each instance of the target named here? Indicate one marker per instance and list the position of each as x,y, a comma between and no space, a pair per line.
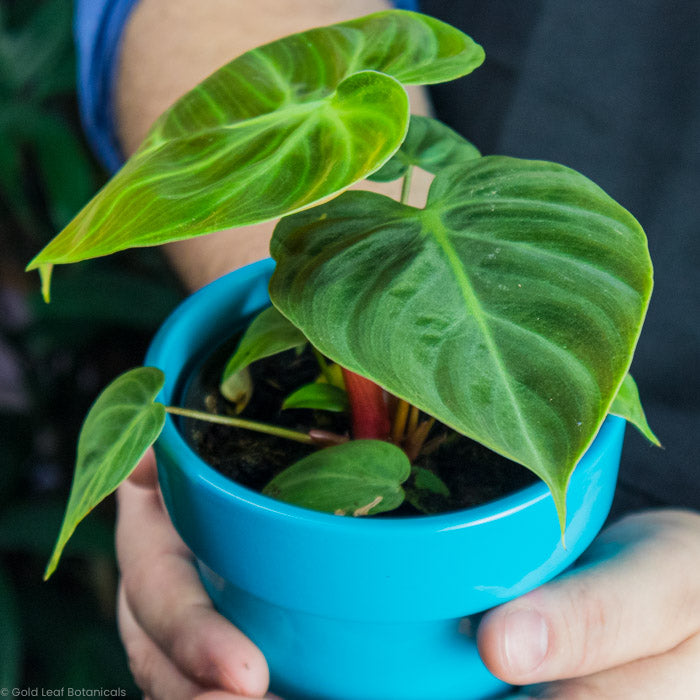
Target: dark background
53,361
610,88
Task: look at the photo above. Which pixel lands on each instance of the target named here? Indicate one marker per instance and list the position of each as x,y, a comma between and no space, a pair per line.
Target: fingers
146,472
152,670
636,595
674,676
164,598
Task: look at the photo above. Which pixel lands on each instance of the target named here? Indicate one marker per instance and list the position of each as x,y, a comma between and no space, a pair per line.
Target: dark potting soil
472,473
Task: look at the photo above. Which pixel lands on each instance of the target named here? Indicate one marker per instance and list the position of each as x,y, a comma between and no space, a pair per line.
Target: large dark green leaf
121,425
430,145
276,130
508,308
628,405
360,477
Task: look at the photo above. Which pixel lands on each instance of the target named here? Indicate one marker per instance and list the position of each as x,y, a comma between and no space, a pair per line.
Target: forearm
169,46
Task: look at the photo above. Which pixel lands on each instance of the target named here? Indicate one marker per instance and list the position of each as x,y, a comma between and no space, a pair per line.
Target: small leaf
122,423
318,396
426,480
238,389
345,479
268,334
422,490
628,405
430,145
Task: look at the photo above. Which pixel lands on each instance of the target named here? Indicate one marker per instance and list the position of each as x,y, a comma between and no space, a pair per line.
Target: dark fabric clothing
608,87
612,89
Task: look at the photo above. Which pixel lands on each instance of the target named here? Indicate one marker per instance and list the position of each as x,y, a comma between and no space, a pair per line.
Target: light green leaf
269,334
628,405
360,477
238,389
276,130
508,308
429,145
318,396
122,423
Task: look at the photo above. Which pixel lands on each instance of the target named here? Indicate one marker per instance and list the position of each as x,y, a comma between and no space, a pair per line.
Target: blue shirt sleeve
98,28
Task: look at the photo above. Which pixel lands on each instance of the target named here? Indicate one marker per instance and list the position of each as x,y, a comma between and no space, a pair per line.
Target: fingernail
526,640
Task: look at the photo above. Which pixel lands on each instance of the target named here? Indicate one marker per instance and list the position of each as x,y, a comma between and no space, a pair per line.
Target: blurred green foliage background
53,361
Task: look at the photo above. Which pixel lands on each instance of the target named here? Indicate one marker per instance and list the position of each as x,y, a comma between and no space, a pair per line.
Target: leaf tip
53,561
45,271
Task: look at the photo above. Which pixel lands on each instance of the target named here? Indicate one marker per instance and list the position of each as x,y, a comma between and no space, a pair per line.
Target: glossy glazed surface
325,596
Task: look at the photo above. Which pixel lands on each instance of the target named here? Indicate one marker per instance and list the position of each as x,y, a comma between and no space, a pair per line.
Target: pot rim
207,477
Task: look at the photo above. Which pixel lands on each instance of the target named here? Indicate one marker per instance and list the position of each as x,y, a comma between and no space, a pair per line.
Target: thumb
631,598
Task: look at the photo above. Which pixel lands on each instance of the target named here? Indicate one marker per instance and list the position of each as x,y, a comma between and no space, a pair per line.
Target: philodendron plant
507,308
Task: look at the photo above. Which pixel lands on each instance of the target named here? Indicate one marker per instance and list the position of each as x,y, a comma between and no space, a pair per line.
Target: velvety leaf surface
268,334
430,145
275,130
345,479
508,308
122,423
628,405
318,396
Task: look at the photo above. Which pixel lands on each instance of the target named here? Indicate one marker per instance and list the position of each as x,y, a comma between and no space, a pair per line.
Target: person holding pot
605,89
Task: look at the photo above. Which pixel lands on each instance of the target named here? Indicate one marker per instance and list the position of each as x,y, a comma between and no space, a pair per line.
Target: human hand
178,646
624,624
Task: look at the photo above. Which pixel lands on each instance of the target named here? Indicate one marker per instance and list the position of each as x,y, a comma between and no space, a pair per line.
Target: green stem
406,185
242,423
325,371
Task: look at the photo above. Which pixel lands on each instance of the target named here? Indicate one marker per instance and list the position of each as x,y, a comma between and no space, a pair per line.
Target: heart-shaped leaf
122,423
430,145
269,334
361,477
276,130
508,308
318,396
628,405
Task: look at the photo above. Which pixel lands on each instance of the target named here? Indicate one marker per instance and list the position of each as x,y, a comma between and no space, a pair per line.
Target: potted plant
507,309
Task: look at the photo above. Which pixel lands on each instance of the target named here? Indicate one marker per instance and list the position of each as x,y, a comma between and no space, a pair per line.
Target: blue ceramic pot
359,609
